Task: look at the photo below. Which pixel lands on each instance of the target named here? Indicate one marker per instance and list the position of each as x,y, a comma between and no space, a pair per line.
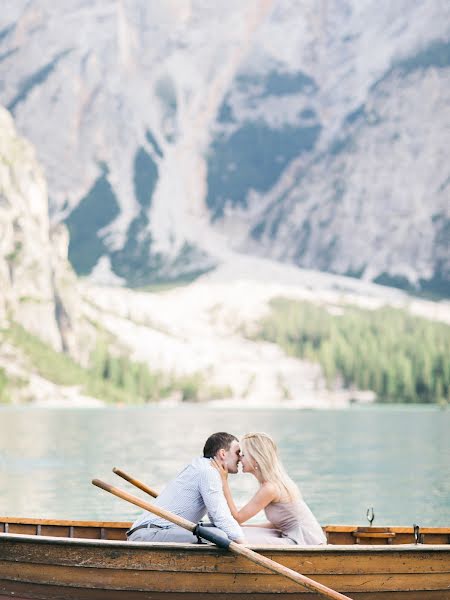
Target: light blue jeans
171,534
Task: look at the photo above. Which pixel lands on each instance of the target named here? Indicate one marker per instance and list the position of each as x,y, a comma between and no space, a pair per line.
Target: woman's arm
264,496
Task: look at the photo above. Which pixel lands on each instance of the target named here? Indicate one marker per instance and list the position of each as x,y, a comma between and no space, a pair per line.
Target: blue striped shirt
197,490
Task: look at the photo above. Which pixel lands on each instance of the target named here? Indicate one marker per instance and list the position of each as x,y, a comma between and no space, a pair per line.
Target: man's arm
216,505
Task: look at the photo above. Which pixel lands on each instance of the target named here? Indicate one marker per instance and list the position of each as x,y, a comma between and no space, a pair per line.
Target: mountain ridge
267,129
192,342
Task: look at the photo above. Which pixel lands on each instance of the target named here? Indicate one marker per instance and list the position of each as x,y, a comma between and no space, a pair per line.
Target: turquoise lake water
396,458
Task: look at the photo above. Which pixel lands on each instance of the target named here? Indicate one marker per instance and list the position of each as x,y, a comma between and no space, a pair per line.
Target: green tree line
110,376
137,381
402,358
3,386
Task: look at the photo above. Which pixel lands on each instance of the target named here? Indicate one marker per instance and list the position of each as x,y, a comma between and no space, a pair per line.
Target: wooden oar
139,484
240,549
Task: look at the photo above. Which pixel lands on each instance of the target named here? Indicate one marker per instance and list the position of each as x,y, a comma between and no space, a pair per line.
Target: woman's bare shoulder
270,489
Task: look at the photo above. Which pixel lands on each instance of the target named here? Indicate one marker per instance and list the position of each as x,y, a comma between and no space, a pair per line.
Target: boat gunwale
126,525
327,548
67,522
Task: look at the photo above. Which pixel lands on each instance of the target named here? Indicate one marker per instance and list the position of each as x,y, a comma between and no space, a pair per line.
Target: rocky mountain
185,331
38,286
173,133
200,332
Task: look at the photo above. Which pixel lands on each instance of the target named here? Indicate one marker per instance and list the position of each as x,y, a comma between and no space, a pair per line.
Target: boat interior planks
115,530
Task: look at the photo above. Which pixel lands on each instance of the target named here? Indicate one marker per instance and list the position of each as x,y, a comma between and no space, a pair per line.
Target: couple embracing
202,488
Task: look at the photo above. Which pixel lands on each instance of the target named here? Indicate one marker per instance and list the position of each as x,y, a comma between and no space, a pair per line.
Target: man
197,490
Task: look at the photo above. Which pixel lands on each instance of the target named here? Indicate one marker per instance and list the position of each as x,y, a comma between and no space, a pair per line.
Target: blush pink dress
293,523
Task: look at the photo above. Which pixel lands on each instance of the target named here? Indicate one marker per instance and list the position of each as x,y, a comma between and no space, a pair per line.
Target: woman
290,519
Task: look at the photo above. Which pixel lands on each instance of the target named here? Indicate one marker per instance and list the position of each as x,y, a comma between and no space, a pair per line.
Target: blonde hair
264,452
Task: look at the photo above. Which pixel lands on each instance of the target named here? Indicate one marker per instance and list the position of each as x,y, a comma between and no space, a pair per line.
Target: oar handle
139,484
234,547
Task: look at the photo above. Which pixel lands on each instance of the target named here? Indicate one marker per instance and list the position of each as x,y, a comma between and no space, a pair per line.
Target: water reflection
391,458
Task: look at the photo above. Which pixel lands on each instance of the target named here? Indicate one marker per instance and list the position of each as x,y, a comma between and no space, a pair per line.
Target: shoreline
222,405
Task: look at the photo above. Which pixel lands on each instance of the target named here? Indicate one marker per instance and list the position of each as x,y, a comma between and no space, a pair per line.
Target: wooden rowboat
50,560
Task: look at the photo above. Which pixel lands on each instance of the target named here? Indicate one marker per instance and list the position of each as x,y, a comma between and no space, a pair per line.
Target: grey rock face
38,286
314,132
375,202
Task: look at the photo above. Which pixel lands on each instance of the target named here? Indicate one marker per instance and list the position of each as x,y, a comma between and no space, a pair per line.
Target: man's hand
223,471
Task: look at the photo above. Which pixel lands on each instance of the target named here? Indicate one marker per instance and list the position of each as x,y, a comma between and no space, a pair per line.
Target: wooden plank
22,528
143,557
195,548
126,524
378,535
433,538
213,582
341,538
115,534
369,562
336,534
78,531
395,529
66,523
60,593
192,549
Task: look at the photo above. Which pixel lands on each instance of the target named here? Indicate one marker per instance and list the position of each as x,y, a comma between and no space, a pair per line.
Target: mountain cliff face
173,133
198,333
37,285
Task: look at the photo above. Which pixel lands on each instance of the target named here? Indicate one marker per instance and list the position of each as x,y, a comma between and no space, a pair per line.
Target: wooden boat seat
373,533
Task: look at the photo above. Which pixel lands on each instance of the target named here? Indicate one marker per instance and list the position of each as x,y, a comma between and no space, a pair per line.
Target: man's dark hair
216,441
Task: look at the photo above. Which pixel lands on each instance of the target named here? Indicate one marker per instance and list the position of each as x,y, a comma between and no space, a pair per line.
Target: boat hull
52,568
